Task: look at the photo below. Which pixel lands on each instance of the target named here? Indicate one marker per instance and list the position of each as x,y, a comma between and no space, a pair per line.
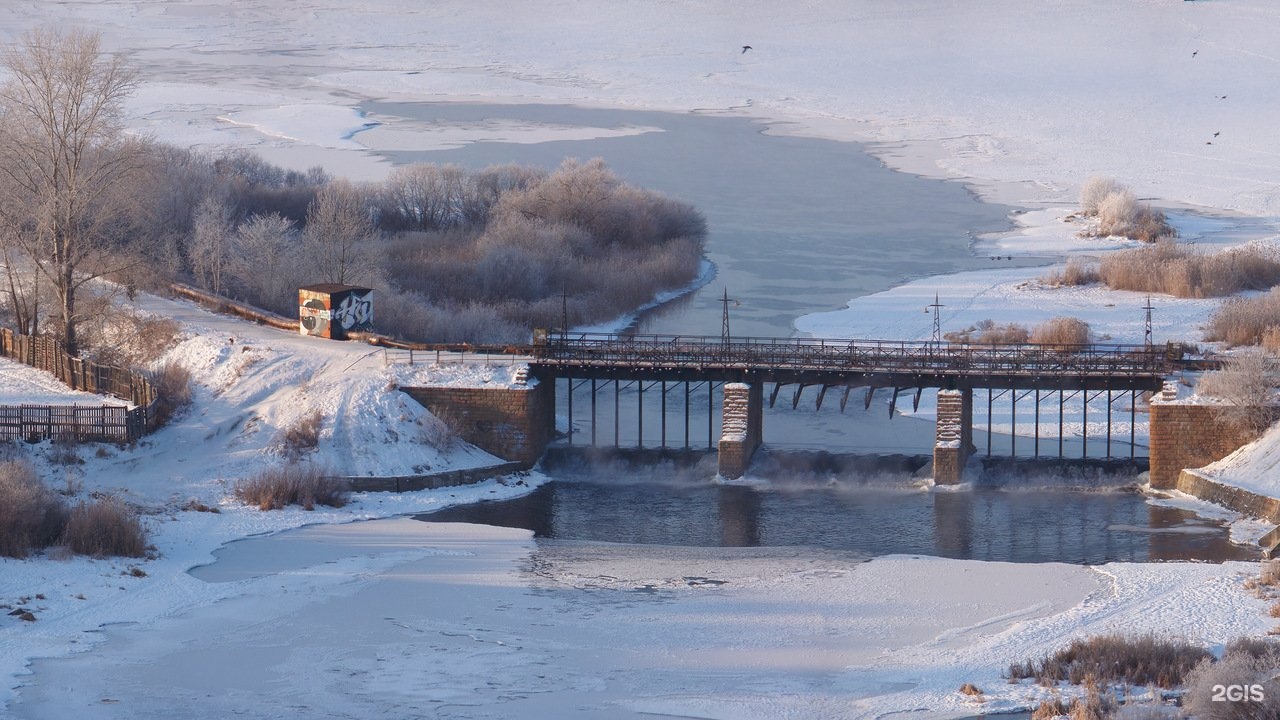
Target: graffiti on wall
355,311
331,311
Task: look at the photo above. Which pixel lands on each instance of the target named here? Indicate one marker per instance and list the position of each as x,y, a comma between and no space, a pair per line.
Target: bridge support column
741,427
954,436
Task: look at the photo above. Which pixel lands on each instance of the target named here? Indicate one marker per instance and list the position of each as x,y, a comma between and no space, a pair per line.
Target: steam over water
866,506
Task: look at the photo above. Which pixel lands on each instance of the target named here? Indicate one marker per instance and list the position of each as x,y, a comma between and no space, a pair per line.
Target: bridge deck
877,363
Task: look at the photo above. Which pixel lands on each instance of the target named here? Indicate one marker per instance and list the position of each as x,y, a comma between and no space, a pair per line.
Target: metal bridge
1009,374
862,363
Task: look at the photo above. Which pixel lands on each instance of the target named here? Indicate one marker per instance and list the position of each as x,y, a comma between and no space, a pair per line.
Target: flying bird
1193,53
1217,133
745,48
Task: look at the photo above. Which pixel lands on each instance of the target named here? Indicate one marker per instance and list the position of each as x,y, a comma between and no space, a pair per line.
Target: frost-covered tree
64,159
340,235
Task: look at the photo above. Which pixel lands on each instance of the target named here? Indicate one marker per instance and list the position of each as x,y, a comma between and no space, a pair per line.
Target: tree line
452,254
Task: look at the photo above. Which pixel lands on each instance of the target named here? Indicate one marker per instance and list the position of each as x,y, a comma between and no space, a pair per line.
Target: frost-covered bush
1094,191
1242,666
1247,383
1118,212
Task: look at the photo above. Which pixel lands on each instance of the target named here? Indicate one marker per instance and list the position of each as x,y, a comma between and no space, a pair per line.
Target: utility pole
564,311
937,320
1146,337
724,318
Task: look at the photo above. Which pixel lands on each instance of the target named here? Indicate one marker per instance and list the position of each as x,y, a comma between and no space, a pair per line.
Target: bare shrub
1140,660
1248,321
174,392
988,332
303,435
1061,331
31,515
1247,383
970,689
1077,272
439,430
126,338
293,484
1204,701
105,528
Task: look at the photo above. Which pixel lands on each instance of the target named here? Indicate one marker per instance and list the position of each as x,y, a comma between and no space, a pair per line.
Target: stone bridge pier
954,438
741,428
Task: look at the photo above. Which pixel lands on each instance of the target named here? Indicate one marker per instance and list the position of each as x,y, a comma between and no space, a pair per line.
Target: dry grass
1061,331
1140,660
1093,706
1077,272
1271,339
1049,710
172,383
988,332
293,484
105,528
303,435
1269,573
31,515
1248,321
1182,271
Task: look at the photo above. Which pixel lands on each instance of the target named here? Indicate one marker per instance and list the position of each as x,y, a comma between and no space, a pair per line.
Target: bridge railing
845,355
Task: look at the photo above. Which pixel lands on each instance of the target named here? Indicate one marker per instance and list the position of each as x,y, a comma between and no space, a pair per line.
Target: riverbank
449,620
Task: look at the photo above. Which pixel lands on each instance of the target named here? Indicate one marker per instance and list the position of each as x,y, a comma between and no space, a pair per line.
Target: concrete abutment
512,423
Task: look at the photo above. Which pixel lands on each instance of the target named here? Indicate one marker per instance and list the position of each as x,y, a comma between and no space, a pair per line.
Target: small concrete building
332,311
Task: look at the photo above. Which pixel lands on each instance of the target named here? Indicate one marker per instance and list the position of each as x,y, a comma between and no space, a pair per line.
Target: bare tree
64,154
340,234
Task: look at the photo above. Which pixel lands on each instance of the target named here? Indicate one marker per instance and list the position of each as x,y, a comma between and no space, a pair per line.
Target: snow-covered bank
426,620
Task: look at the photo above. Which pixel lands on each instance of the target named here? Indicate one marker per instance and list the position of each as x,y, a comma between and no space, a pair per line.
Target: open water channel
799,225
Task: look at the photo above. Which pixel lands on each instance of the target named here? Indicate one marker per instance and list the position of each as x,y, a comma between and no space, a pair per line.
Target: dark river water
869,506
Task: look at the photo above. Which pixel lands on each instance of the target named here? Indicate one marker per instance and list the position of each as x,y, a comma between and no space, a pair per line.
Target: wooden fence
107,423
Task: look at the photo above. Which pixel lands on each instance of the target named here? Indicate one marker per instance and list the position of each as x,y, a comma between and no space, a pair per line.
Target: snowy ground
1022,101
22,384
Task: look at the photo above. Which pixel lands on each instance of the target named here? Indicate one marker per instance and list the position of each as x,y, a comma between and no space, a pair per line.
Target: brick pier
741,430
